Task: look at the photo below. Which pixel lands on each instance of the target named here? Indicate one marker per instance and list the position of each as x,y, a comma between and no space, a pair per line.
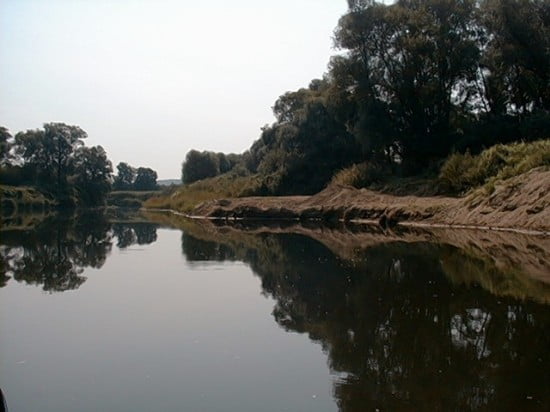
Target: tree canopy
55,160
413,82
130,178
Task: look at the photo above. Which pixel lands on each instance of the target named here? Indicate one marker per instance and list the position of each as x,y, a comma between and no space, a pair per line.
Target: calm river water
118,315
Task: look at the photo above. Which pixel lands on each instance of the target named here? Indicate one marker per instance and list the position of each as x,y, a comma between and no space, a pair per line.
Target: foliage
92,174
55,161
146,179
419,79
463,171
129,198
201,165
125,178
414,82
51,151
517,55
410,67
186,197
24,175
360,175
5,146
130,178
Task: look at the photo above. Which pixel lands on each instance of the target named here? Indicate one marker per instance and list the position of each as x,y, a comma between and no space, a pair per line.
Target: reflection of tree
124,234
4,278
128,234
56,252
202,250
400,334
146,233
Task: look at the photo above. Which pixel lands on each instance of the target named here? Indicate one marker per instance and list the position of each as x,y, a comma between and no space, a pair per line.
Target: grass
185,198
462,172
359,175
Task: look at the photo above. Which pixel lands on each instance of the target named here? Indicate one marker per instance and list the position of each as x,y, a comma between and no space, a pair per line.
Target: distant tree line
55,160
415,81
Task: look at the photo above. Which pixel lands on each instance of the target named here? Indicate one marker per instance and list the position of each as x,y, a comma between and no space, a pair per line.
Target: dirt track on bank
520,203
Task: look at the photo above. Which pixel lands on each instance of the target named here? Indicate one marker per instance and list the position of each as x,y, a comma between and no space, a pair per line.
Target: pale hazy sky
150,79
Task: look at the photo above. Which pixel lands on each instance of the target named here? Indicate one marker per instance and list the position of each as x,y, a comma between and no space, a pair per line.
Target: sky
151,79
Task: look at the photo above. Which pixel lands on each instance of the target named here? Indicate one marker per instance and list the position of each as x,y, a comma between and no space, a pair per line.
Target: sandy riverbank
520,203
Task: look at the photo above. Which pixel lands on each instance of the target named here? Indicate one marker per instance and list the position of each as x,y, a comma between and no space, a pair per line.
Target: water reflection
54,253
128,234
409,321
405,325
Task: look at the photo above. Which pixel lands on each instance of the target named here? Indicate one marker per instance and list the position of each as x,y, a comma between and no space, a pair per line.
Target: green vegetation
55,161
462,172
202,165
414,82
185,198
130,178
360,175
51,167
131,199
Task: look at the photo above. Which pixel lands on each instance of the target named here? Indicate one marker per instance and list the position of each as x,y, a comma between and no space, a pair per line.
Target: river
155,314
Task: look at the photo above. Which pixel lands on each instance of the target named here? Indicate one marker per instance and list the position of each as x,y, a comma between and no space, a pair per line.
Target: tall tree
5,146
93,174
50,150
199,165
412,65
517,56
146,179
125,178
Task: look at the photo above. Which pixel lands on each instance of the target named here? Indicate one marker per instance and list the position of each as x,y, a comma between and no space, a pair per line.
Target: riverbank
519,203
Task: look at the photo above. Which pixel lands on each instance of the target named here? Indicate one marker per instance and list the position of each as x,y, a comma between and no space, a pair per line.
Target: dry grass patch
185,198
462,172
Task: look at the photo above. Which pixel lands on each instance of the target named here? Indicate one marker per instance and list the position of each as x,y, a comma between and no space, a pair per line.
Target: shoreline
520,204
369,222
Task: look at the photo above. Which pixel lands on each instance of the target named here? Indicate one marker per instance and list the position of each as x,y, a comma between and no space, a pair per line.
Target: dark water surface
107,315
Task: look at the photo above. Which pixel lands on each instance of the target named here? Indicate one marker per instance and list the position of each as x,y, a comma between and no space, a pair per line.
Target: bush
360,175
185,198
462,172
455,170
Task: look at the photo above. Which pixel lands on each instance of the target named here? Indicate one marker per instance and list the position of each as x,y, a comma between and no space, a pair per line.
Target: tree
93,174
50,150
125,177
300,152
413,67
146,179
517,57
199,165
5,146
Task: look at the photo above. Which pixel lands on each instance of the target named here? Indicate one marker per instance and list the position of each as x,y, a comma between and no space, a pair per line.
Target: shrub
462,172
360,175
455,171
